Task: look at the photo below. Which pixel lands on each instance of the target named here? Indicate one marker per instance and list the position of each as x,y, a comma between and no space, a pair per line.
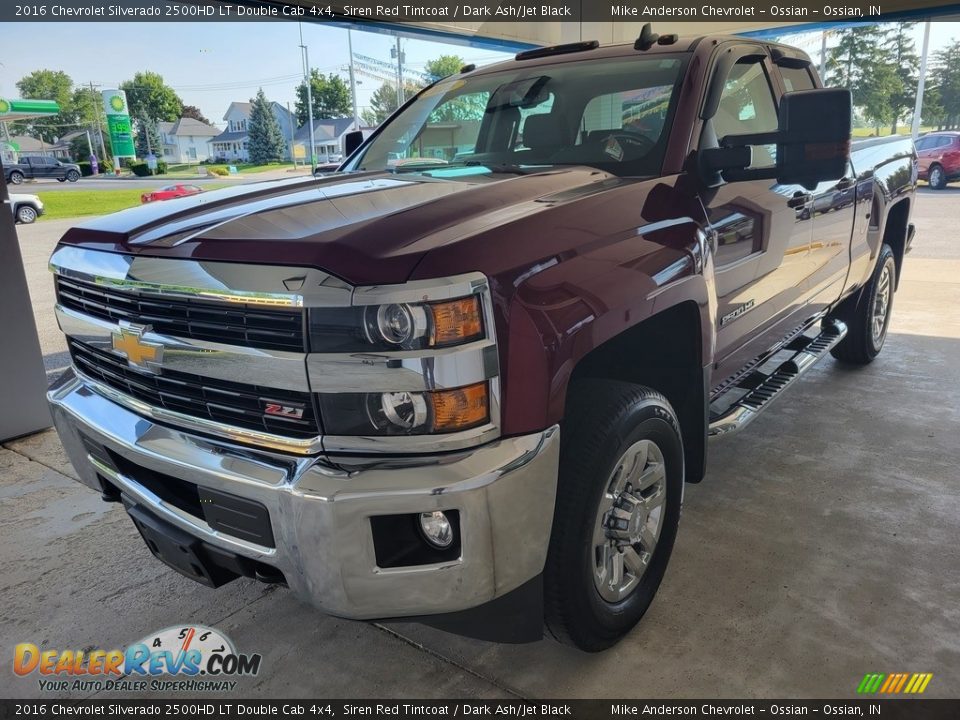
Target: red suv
939,154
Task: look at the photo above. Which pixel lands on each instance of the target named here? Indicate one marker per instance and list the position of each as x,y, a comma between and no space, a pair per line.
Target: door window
796,79
747,106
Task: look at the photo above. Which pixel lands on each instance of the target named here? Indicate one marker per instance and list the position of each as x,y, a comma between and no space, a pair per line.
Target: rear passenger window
796,79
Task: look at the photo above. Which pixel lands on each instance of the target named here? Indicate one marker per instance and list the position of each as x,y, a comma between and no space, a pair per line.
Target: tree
53,85
443,66
148,138
266,143
192,111
861,62
383,102
903,54
148,97
331,98
945,84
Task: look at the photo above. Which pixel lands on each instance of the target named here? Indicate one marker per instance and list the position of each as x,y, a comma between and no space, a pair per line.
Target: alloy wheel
629,520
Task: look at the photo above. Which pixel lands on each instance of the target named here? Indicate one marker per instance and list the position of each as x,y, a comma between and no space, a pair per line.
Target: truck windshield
611,114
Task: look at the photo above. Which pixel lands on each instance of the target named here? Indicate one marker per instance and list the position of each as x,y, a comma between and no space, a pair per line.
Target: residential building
233,143
328,136
186,140
26,145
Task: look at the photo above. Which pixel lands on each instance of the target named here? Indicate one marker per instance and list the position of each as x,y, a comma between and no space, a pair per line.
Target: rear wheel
869,317
16,177
937,178
617,510
26,214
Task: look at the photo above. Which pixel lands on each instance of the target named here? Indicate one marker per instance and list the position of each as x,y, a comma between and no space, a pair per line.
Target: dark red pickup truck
464,379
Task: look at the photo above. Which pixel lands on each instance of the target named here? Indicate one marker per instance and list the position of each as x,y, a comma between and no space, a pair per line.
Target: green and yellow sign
118,123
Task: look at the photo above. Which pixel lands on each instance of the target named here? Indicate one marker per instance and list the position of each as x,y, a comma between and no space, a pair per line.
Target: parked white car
26,208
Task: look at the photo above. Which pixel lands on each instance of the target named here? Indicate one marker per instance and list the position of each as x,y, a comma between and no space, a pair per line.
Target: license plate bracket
177,549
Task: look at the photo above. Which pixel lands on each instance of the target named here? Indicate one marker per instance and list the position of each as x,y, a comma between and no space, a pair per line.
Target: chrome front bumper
320,511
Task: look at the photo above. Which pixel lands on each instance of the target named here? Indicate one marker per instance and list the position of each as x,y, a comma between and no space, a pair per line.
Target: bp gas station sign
118,124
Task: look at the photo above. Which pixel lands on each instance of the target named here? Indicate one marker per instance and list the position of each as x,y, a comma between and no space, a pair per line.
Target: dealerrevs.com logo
188,658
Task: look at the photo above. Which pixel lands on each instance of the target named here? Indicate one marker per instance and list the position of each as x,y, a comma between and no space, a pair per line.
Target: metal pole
823,56
400,94
292,156
89,142
353,83
307,79
96,110
918,107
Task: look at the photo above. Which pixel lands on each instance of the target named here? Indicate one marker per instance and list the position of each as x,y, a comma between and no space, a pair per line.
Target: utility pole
292,123
89,142
918,106
353,83
96,109
823,55
398,54
307,79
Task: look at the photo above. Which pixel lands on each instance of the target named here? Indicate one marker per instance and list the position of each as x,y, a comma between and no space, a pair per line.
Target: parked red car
170,192
939,154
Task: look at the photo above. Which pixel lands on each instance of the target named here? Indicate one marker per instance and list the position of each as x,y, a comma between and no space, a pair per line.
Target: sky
212,64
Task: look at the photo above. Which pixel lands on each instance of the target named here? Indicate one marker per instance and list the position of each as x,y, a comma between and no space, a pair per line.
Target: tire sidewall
937,171
647,420
886,259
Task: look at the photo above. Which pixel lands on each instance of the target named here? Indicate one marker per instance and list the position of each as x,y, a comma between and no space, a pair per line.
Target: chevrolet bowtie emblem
128,341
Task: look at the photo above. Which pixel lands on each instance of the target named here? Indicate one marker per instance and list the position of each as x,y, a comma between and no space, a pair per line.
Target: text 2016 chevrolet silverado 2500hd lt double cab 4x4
468,389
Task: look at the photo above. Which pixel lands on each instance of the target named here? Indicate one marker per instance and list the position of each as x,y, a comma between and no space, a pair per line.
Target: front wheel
26,214
73,176
937,178
617,511
868,315
16,177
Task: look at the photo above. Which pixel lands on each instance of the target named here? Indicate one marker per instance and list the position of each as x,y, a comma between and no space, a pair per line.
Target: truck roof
682,44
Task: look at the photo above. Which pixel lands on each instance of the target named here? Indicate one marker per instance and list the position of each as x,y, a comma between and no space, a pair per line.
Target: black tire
73,176
862,344
26,215
63,179
604,418
937,177
16,177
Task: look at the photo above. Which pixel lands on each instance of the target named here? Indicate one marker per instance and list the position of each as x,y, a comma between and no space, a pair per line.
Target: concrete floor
821,546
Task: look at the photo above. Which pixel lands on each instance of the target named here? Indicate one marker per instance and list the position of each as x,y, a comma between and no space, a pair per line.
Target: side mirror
814,129
351,141
812,143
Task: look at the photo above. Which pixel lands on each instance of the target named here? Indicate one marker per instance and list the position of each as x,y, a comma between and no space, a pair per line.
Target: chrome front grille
231,403
245,324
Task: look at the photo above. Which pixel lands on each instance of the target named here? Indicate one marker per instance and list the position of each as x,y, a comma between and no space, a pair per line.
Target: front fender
567,308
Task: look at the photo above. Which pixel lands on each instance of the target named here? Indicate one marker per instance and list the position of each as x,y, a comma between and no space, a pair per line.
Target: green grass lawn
864,132
60,204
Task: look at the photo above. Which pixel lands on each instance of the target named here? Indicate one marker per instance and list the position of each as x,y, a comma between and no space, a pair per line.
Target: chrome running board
763,389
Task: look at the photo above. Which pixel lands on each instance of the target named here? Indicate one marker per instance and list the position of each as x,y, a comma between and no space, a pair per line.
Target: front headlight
396,326
406,413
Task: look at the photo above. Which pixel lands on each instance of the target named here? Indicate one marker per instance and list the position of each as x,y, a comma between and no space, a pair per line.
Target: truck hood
367,228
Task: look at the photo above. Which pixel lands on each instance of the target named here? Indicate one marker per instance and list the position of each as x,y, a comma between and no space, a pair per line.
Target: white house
232,143
328,136
186,140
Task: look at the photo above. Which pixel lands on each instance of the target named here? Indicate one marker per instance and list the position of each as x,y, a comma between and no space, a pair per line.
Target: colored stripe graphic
894,683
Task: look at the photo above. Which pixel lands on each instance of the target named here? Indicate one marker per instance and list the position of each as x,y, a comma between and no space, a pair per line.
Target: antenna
647,38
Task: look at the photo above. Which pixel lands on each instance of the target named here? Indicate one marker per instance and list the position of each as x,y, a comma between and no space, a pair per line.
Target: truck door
831,209
761,230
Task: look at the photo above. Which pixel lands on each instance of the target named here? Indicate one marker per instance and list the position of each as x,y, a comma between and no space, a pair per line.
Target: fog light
436,528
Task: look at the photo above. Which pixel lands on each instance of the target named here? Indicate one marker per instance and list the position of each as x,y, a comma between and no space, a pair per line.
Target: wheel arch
895,231
663,352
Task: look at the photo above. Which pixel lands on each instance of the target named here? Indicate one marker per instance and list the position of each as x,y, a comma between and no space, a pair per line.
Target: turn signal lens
455,322
460,409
